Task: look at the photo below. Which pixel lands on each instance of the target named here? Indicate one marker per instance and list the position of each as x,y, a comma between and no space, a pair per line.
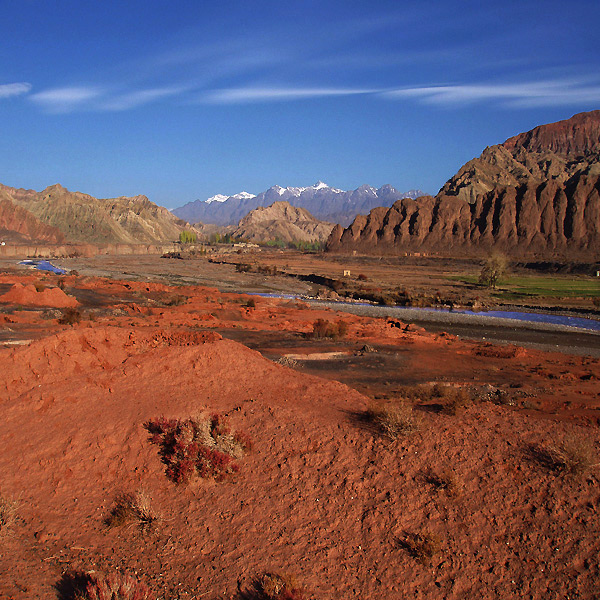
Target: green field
545,286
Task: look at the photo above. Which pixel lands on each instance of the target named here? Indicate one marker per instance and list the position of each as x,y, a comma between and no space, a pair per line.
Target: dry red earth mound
28,295
475,503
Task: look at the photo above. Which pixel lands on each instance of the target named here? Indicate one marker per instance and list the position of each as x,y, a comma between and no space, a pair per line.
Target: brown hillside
18,225
83,218
281,221
536,193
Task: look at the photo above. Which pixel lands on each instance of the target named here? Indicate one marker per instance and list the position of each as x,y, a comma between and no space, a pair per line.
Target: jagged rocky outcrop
284,222
84,219
537,193
322,201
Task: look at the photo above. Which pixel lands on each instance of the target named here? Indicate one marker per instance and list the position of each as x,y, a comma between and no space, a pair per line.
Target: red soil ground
322,495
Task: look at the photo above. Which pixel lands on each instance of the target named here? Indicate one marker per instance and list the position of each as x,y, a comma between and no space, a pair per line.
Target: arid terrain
386,460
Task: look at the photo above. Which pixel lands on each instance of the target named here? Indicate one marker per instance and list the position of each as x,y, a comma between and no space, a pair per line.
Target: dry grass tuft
274,586
114,586
394,420
453,399
422,546
133,508
8,511
70,316
445,481
574,456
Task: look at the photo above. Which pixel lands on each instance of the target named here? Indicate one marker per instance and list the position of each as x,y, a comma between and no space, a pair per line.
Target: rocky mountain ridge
284,222
322,201
537,193
84,219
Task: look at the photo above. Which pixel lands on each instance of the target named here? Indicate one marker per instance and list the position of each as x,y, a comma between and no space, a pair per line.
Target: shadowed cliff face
536,193
80,218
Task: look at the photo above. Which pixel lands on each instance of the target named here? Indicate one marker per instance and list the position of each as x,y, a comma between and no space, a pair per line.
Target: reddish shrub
115,586
206,447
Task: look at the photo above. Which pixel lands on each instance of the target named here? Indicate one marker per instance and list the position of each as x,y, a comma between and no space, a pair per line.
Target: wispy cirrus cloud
533,94
137,98
8,90
80,98
277,94
66,99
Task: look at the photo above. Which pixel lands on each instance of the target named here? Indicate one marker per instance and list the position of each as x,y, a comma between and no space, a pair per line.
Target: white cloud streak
8,90
73,99
517,95
138,98
277,94
66,99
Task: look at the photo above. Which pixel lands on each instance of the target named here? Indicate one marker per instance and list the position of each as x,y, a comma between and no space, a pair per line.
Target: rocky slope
538,193
284,222
83,218
324,202
18,225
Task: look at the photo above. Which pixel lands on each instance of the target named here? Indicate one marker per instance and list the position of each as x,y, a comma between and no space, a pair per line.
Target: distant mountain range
538,193
323,202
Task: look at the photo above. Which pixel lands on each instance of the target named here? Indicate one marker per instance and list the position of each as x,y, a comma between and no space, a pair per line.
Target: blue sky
182,100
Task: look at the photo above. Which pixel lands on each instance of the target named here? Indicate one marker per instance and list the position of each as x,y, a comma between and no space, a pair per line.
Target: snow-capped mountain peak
223,198
243,196
216,198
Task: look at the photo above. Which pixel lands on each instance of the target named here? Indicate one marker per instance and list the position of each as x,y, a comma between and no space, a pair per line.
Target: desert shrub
70,316
133,508
251,303
268,269
204,447
274,586
445,481
244,268
575,455
422,546
453,399
8,510
327,329
394,420
114,586
362,277
596,301
175,300
287,361
39,286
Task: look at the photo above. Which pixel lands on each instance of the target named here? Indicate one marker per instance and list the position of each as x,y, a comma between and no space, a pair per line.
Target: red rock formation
538,193
19,225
